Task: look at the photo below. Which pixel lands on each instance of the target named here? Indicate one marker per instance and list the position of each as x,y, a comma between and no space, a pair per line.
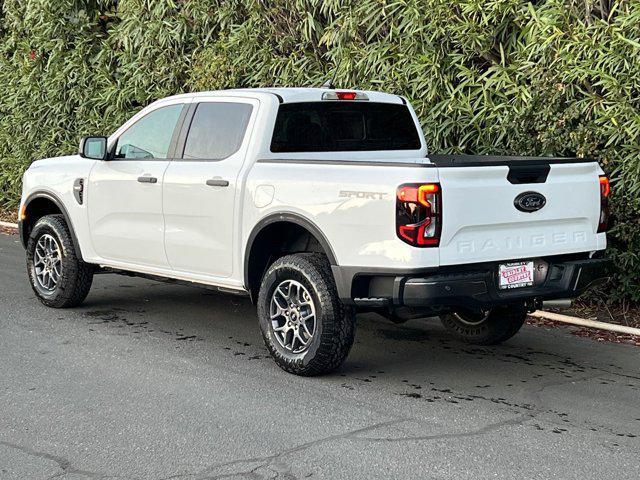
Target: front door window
150,137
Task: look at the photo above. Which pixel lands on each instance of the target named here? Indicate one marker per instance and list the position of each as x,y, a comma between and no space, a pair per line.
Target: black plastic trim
21,234
345,277
478,288
527,174
78,190
352,163
574,273
83,141
279,97
286,217
184,130
171,280
177,131
447,161
58,203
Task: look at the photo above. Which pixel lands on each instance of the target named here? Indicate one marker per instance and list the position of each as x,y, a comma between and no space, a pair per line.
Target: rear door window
344,126
217,130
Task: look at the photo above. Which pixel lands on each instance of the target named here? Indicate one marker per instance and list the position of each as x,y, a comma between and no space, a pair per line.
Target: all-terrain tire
335,324
499,325
76,276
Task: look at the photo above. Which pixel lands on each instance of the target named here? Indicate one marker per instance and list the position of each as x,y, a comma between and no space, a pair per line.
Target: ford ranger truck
316,204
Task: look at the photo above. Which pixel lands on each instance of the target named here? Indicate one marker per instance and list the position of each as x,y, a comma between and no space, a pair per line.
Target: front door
201,187
124,194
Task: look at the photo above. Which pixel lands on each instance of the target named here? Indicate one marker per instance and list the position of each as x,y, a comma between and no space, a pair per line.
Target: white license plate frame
515,275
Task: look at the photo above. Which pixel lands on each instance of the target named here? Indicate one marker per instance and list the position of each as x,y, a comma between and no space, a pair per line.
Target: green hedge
502,76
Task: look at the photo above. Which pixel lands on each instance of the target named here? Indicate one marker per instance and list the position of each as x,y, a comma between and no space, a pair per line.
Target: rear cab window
339,126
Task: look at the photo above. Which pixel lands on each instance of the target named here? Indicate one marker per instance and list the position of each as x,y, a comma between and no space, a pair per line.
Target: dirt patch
592,333
623,313
8,216
8,230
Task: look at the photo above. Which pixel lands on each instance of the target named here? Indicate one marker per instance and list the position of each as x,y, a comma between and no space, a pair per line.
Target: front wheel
486,327
304,325
58,276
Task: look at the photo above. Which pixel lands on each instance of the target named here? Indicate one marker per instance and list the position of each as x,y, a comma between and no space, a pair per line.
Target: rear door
202,185
124,194
481,221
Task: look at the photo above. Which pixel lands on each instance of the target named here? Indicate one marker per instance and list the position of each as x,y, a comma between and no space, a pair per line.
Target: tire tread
77,274
501,324
338,320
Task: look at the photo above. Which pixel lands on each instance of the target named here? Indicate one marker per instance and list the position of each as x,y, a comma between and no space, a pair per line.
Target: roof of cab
295,95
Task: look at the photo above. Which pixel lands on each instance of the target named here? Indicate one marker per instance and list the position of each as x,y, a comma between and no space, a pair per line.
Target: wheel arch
39,204
256,258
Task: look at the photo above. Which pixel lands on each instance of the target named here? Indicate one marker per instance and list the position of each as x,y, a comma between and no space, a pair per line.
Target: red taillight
605,187
346,95
605,190
419,214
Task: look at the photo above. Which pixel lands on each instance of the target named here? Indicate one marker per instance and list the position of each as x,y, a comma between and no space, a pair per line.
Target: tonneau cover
489,160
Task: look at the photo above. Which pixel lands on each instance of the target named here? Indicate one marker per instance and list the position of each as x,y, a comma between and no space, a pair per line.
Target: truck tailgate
481,222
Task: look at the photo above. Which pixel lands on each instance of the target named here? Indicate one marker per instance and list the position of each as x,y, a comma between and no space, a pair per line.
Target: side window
150,136
217,130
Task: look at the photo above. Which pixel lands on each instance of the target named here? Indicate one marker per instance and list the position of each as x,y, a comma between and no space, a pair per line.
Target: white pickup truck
317,203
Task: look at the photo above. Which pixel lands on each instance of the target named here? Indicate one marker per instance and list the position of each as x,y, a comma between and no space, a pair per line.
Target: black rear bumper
475,286
479,289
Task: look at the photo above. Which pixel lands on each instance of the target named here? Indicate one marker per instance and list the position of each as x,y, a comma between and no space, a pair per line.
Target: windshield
344,126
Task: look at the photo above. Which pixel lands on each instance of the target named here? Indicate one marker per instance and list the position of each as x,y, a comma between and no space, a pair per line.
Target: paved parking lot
153,381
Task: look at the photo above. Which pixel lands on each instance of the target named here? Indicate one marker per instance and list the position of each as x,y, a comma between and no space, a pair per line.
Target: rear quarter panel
353,204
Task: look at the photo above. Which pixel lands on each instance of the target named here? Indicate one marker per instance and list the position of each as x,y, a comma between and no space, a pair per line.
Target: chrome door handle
146,179
217,182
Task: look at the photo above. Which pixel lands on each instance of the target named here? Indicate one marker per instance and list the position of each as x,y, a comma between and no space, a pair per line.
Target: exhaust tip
561,303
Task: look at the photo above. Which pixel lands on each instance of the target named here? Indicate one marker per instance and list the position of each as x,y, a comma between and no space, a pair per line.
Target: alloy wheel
472,318
47,263
293,316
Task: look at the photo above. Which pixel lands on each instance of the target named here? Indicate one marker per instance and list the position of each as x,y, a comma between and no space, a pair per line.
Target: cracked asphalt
156,381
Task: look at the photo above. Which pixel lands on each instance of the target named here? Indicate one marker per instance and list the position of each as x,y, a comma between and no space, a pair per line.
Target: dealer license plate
515,275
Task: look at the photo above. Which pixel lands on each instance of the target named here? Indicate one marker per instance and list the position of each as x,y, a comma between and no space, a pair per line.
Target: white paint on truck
179,227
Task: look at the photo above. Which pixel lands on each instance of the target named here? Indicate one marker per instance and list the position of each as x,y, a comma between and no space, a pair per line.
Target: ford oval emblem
530,201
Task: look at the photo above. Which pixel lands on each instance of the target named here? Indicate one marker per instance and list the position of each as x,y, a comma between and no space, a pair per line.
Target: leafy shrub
554,77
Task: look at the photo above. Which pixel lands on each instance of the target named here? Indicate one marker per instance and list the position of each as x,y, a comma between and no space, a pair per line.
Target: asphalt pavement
155,381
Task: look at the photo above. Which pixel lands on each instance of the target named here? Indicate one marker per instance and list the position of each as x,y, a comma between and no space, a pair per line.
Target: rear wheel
304,325
486,327
58,276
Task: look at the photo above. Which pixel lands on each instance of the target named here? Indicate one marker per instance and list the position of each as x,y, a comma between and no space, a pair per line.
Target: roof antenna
329,83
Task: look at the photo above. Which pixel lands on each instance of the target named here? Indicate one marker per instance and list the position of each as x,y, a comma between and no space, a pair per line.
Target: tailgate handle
519,174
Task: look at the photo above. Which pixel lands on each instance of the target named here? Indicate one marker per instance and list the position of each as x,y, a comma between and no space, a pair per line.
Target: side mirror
94,148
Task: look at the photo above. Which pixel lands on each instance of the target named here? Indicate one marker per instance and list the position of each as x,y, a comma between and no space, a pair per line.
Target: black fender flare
292,218
53,198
